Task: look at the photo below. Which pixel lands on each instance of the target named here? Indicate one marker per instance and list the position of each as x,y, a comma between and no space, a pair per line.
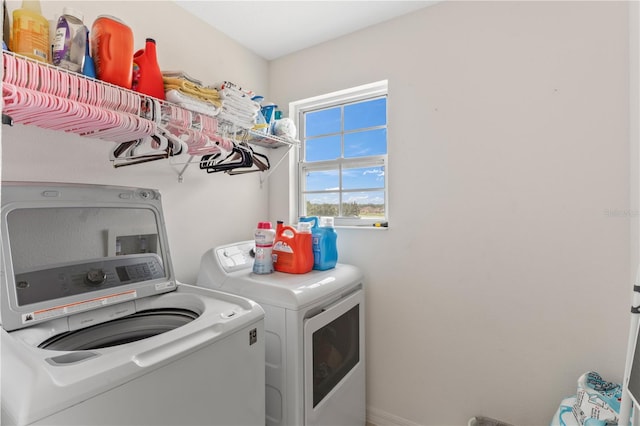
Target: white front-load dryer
314,332
95,328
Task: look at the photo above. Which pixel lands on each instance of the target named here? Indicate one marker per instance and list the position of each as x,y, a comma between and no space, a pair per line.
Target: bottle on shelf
112,49
89,67
6,28
147,77
268,112
261,125
70,41
30,35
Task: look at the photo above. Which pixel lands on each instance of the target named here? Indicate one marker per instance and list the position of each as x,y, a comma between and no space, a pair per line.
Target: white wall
206,209
502,277
504,274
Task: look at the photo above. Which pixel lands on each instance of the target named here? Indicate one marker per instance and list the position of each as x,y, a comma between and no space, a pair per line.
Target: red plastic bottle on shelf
147,77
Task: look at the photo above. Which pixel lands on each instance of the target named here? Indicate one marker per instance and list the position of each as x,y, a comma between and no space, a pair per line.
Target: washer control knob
95,277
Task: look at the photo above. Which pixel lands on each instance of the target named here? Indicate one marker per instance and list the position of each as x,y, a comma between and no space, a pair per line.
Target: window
342,168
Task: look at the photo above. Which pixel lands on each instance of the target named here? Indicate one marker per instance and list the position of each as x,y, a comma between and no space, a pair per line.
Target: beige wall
206,209
504,274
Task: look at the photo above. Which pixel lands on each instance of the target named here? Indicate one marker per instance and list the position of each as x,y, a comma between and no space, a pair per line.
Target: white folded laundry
191,103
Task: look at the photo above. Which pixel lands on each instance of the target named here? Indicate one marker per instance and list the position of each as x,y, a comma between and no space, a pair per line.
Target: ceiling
273,29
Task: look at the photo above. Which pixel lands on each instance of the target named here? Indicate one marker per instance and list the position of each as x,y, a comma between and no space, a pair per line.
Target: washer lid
69,248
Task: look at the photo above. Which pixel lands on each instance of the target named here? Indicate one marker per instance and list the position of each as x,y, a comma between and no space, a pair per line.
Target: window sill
368,228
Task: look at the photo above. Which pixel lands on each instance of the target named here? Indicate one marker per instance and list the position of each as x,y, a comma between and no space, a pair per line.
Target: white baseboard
376,417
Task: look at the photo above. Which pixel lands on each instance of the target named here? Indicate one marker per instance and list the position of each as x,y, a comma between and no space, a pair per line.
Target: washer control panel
69,280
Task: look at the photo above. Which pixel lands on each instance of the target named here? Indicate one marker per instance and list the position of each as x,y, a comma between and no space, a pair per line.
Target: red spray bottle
147,77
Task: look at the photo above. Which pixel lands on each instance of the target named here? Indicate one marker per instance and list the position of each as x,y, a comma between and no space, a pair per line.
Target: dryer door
334,367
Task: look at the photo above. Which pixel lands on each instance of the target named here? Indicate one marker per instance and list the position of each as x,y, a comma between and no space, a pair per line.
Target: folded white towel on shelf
238,107
235,119
240,112
245,104
234,94
190,103
232,86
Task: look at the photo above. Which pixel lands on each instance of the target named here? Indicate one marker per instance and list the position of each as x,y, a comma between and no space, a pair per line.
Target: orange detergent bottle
293,250
112,49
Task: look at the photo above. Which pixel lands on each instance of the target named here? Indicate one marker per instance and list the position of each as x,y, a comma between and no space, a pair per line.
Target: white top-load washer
314,325
95,328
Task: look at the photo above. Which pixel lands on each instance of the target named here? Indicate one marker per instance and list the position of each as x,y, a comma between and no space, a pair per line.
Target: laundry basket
486,421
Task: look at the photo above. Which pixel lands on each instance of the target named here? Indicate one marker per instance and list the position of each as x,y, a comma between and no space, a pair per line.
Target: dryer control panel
70,280
236,256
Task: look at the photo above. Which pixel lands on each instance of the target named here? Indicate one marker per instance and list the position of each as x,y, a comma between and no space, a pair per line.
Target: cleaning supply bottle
316,236
6,28
89,67
292,249
147,77
268,111
112,49
264,238
324,236
261,123
328,245
30,35
70,40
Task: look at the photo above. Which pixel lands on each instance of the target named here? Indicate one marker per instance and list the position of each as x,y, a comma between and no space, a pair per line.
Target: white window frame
299,108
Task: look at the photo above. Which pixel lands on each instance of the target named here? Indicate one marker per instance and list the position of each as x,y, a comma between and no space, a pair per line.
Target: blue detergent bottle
324,237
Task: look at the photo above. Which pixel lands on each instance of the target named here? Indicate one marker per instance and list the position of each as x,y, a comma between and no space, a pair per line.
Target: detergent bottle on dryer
324,242
328,244
292,249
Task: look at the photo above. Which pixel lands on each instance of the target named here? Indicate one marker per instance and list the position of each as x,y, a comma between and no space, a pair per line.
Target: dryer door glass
335,352
333,339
